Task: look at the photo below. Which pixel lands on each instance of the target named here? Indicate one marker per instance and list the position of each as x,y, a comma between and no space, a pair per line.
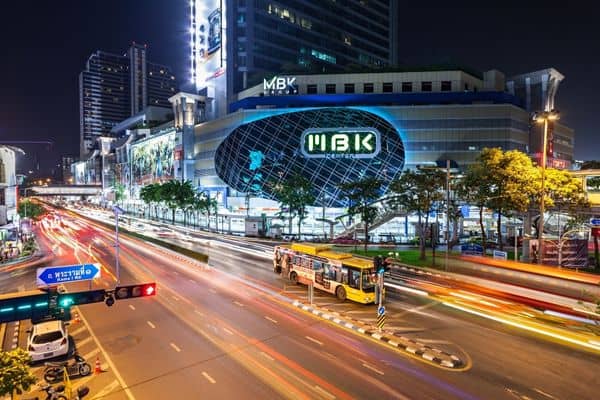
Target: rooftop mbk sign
280,85
341,143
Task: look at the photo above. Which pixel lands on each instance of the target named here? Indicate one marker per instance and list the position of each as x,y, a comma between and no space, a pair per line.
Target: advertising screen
207,40
79,173
152,160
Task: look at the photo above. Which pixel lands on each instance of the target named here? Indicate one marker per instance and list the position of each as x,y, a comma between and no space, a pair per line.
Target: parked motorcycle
52,393
55,371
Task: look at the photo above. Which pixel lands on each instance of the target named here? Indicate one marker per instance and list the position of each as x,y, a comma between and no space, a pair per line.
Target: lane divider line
174,346
208,377
314,340
151,324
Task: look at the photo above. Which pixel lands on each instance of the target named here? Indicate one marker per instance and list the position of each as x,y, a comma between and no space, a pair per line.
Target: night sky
45,45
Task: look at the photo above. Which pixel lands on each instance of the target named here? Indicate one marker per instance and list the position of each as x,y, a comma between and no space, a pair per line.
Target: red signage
596,231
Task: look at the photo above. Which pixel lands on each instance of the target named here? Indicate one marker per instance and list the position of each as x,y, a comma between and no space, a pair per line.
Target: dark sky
45,45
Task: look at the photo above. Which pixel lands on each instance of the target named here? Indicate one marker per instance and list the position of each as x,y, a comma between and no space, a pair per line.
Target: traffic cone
98,367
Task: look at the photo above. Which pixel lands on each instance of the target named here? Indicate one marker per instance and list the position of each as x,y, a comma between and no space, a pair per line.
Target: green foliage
295,194
361,195
30,209
419,192
119,192
14,372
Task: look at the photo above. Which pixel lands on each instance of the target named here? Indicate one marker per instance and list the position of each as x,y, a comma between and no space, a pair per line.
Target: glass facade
257,156
312,34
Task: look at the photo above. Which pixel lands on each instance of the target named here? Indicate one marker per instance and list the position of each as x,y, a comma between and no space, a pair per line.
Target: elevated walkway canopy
65,190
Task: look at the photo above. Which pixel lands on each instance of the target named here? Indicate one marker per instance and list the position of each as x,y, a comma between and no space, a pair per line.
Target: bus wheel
294,277
340,292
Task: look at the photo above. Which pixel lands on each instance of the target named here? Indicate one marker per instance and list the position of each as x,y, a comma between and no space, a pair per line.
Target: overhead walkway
65,190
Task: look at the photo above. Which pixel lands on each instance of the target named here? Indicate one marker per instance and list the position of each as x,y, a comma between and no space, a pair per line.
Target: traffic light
137,290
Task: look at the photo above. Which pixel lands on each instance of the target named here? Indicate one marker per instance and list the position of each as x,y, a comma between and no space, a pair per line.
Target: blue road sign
118,210
595,221
69,273
472,249
381,310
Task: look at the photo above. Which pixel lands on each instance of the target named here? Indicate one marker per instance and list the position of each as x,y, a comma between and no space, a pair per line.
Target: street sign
69,273
471,249
381,310
500,255
595,221
118,210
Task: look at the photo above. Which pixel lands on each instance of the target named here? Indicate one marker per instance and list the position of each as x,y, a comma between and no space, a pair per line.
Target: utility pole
447,214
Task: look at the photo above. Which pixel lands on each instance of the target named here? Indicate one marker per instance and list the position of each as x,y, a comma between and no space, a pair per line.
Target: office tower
247,40
114,87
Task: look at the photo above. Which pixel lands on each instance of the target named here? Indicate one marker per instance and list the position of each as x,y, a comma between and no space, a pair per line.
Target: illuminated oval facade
257,156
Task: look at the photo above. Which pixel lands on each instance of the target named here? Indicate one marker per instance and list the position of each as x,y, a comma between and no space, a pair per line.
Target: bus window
317,265
344,276
369,279
354,278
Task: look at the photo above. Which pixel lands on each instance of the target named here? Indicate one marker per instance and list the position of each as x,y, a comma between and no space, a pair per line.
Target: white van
48,339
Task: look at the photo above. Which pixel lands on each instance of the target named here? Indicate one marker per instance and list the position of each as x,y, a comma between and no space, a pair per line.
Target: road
227,333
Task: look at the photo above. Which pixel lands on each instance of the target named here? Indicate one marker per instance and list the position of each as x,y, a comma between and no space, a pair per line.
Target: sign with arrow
595,221
49,276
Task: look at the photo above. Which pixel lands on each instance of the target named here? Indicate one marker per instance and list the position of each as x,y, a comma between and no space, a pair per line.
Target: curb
428,353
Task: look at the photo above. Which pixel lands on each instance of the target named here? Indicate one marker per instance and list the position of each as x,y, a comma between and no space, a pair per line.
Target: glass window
446,86
311,89
426,86
368,88
388,87
354,278
330,88
407,86
348,87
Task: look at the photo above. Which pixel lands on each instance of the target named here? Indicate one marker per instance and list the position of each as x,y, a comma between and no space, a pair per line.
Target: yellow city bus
342,274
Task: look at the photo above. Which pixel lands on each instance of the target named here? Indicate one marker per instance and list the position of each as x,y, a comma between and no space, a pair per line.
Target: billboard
207,42
78,171
153,160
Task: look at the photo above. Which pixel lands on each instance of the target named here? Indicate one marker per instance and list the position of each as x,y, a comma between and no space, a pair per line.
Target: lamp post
543,118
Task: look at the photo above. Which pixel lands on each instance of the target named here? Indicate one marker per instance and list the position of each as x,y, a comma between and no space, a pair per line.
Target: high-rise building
246,40
114,87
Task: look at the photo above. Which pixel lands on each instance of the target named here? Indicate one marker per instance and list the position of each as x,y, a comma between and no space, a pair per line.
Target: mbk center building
335,128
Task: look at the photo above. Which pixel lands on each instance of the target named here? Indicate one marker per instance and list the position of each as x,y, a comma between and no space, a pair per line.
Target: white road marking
267,356
324,392
177,349
114,385
544,393
132,307
228,331
112,366
314,340
200,313
91,354
77,331
270,319
151,324
208,377
84,341
372,368
175,298
238,303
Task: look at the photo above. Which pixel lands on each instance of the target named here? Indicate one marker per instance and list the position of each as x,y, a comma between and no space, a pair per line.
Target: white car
47,340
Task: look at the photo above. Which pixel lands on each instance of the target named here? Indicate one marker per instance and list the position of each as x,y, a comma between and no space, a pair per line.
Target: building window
426,86
446,86
330,88
348,87
407,86
311,89
388,87
367,88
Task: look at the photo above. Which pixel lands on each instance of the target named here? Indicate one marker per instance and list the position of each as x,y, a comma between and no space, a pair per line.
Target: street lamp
543,118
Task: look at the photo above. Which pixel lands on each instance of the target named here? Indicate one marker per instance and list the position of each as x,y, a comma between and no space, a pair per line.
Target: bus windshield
369,279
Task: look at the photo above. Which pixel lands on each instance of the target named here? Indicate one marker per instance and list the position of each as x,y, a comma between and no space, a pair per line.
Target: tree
150,194
119,192
361,195
30,209
419,192
296,193
14,372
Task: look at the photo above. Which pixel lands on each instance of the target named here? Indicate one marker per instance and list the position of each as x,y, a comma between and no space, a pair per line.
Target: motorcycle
55,371
52,393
